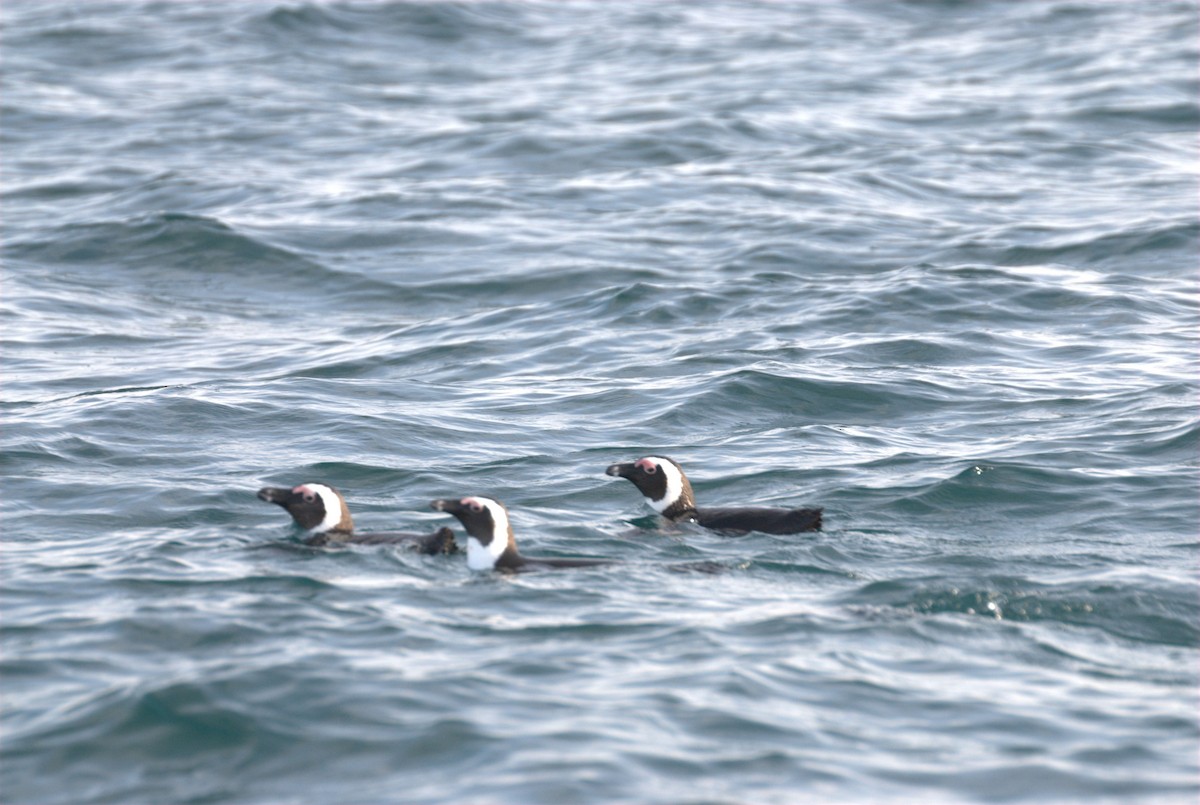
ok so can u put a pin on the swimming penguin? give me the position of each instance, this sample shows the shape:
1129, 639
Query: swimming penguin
322, 510
669, 493
490, 542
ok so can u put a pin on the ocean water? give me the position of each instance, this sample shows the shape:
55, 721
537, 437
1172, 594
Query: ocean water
929, 265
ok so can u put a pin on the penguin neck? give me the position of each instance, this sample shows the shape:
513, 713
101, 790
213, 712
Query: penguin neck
334, 527
499, 551
683, 504
679, 510
510, 558
336, 534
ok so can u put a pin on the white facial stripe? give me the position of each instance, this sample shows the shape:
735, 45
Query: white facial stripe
333, 507
484, 557
674, 484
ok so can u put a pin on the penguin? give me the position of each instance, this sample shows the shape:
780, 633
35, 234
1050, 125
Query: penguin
668, 492
323, 512
490, 541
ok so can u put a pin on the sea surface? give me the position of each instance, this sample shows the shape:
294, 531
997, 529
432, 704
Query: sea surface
929, 265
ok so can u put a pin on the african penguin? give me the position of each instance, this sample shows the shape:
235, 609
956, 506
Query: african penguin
490, 541
669, 493
322, 511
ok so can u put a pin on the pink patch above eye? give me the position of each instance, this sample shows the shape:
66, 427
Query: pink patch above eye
647, 464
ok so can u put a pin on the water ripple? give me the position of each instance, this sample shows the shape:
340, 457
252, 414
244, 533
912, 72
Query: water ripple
928, 265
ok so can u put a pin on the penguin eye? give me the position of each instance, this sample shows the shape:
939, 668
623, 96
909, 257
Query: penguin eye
476, 507
649, 469
309, 497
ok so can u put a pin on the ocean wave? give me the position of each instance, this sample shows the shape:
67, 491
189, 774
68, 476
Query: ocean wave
1140, 611
435, 23
929, 265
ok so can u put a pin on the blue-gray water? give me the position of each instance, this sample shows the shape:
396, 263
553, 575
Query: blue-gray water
930, 265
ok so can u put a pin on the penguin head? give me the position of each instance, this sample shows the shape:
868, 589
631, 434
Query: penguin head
316, 507
660, 480
489, 533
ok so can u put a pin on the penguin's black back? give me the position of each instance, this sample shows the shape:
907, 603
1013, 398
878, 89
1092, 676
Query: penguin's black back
440, 541
765, 520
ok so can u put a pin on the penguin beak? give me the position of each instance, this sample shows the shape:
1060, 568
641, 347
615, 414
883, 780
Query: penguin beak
273, 494
446, 505
619, 470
